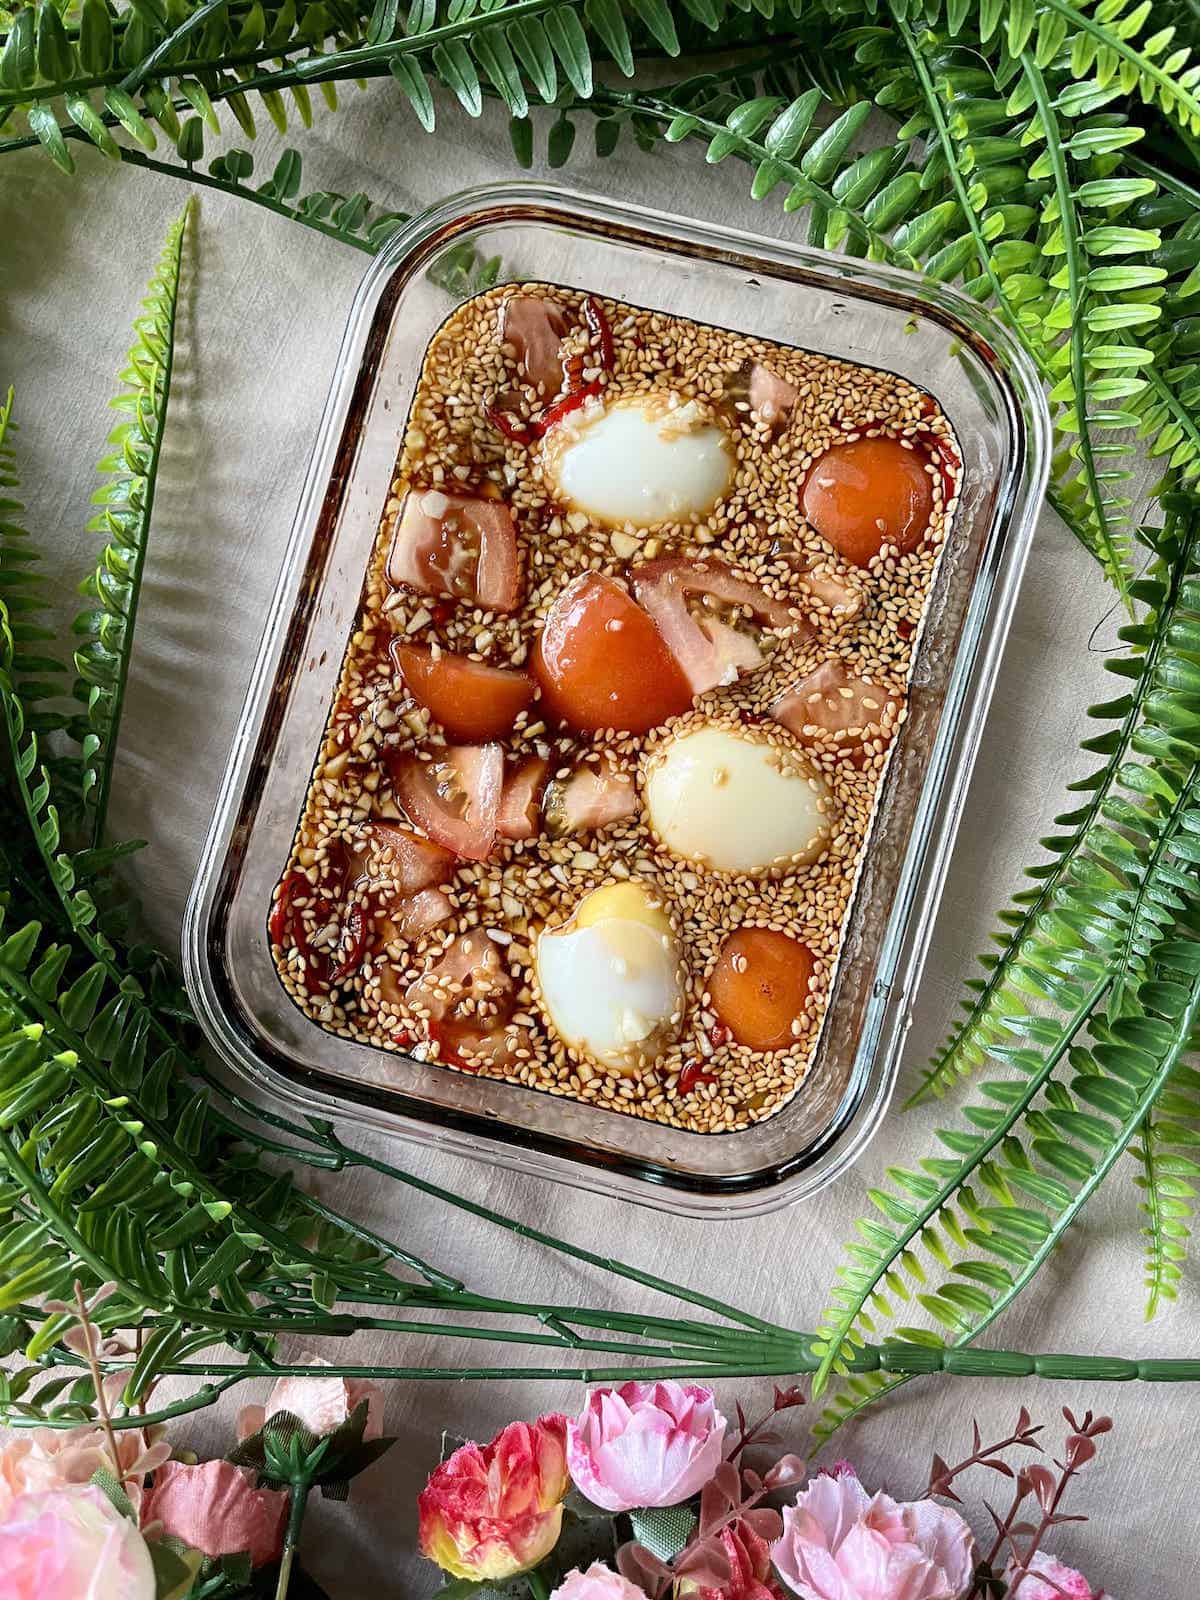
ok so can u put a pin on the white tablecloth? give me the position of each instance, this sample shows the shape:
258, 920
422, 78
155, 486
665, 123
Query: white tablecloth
265, 309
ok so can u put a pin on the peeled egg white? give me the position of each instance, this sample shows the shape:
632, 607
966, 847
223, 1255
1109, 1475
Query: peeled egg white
638, 462
737, 801
611, 979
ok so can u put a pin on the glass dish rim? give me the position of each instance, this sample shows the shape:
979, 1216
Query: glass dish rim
984, 631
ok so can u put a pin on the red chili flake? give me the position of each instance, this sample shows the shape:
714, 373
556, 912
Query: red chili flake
514, 428
693, 1074
404, 1039
601, 330
442, 1036
950, 461
905, 628
441, 611
719, 1034
280, 924
359, 924
564, 407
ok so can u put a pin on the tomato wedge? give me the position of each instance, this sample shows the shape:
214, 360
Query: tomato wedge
467, 983
473, 702
759, 985
867, 493
841, 705
602, 663
520, 798
412, 915
534, 328
467, 1048
407, 860
456, 545
455, 799
590, 799
772, 398
699, 608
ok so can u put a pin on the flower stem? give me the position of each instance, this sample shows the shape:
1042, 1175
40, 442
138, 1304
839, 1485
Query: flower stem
291, 1539
537, 1586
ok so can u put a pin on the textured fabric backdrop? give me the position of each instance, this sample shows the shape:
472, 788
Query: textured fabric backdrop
265, 312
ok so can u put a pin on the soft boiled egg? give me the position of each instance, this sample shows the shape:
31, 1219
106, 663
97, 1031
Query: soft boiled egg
737, 799
611, 979
639, 461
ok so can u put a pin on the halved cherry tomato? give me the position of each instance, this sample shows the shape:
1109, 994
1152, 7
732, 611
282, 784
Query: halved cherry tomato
602, 663
473, 702
830, 698
759, 985
456, 545
468, 983
535, 328
699, 608
520, 798
456, 798
409, 861
286, 927
590, 799
867, 493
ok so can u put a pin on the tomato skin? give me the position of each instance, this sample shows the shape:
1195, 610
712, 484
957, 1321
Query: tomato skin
759, 1002
709, 651
457, 546
474, 703
602, 663
856, 486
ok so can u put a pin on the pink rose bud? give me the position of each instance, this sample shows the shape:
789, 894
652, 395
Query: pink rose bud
645, 1444
597, 1583
320, 1404
215, 1508
840, 1543
1048, 1579
495, 1510
64, 1544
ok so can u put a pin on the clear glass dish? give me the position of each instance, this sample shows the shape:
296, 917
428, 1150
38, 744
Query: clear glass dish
843, 308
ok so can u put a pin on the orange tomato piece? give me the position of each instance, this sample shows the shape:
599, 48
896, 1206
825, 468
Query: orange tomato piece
474, 703
867, 493
759, 985
602, 663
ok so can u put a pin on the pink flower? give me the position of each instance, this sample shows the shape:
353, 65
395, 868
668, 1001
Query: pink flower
216, 1508
70, 1544
750, 1576
645, 1444
52, 1458
839, 1543
597, 1583
1044, 1573
495, 1510
321, 1404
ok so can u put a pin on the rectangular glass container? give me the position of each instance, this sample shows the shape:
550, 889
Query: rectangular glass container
840, 307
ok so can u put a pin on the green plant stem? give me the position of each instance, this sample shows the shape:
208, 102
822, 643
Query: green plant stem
291, 1540
174, 169
538, 1587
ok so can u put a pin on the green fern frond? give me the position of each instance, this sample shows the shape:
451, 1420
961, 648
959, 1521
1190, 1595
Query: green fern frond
1166, 1150
36, 669
127, 498
1158, 664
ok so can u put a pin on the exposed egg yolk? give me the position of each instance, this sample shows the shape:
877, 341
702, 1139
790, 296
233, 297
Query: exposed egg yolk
759, 986
611, 979
868, 493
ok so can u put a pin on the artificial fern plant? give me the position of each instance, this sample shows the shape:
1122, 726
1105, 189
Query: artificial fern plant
1042, 155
